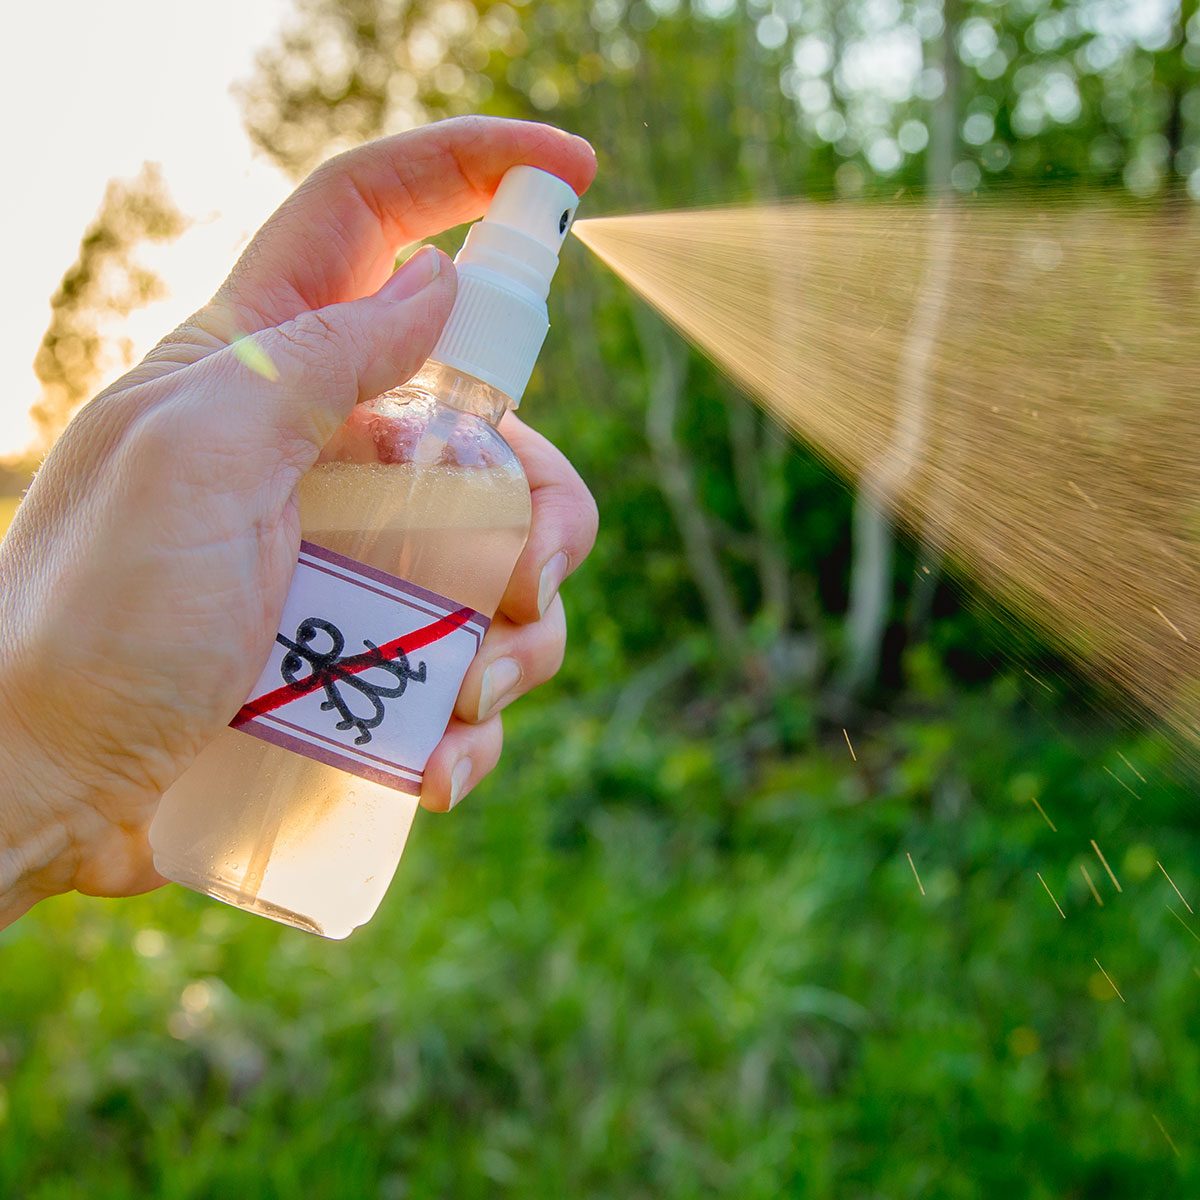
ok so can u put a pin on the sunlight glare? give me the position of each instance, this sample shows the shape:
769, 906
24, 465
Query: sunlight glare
121, 94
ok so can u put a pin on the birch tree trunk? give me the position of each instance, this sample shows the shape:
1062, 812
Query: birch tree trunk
883, 480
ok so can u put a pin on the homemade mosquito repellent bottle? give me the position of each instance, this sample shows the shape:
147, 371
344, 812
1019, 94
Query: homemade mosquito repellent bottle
412, 523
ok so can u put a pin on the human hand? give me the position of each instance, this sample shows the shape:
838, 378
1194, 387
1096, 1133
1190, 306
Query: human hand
143, 577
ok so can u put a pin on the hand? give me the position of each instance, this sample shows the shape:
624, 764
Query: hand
145, 572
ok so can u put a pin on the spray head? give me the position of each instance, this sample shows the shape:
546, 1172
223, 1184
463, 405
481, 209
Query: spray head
499, 320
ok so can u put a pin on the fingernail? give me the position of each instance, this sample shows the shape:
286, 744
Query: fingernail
419, 272
498, 680
551, 577
458, 780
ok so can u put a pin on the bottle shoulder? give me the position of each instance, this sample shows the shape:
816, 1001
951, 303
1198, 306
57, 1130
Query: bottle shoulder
425, 491
409, 426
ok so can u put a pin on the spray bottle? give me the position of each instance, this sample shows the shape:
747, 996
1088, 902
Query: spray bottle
412, 522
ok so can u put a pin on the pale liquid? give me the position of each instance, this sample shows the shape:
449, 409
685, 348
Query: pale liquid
290, 838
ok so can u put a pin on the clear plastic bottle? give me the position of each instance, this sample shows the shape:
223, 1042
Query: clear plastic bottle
421, 485
418, 484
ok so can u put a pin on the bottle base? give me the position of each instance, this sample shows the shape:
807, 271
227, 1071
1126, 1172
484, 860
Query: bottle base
232, 894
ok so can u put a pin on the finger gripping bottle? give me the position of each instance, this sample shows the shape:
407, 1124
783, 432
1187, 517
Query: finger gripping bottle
412, 522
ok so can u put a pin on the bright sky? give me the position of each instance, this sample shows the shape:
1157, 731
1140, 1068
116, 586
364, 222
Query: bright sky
93, 90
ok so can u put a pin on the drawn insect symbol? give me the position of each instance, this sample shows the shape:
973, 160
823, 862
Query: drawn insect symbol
328, 669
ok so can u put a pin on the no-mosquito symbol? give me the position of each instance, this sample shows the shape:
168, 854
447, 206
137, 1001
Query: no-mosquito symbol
329, 670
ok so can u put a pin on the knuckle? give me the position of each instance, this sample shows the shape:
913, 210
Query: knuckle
156, 449
471, 123
542, 646
340, 182
331, 169
493, 730
556, 636
318, 346
471, 129
463, 130
155, 437
314, 330
554, 624
557, 656
575, 512
167, 445
590, 521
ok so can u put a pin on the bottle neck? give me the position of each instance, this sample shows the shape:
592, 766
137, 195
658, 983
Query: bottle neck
456, 389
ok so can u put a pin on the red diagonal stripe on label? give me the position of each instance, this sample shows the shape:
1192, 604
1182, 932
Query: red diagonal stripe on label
406, 644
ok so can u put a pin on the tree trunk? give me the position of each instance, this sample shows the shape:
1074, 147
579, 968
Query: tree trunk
943, 150
666, 359
882, 481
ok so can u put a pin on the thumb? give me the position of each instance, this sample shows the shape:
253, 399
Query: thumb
303, 377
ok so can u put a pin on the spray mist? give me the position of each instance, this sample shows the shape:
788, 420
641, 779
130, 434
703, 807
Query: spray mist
412, 522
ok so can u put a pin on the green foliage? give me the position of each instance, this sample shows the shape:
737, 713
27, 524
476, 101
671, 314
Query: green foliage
675, 947
623, 971
104, 282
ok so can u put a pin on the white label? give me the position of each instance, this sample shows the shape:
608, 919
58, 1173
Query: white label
364, 671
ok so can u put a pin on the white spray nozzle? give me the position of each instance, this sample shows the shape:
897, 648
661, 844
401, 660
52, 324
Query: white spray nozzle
499, 319
534, 203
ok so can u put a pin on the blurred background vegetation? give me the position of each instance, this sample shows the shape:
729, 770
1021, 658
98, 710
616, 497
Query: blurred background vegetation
676, 945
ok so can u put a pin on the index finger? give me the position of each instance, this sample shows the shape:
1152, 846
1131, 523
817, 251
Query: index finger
335, 238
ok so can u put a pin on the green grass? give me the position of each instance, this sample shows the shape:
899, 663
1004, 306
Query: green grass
625, 970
